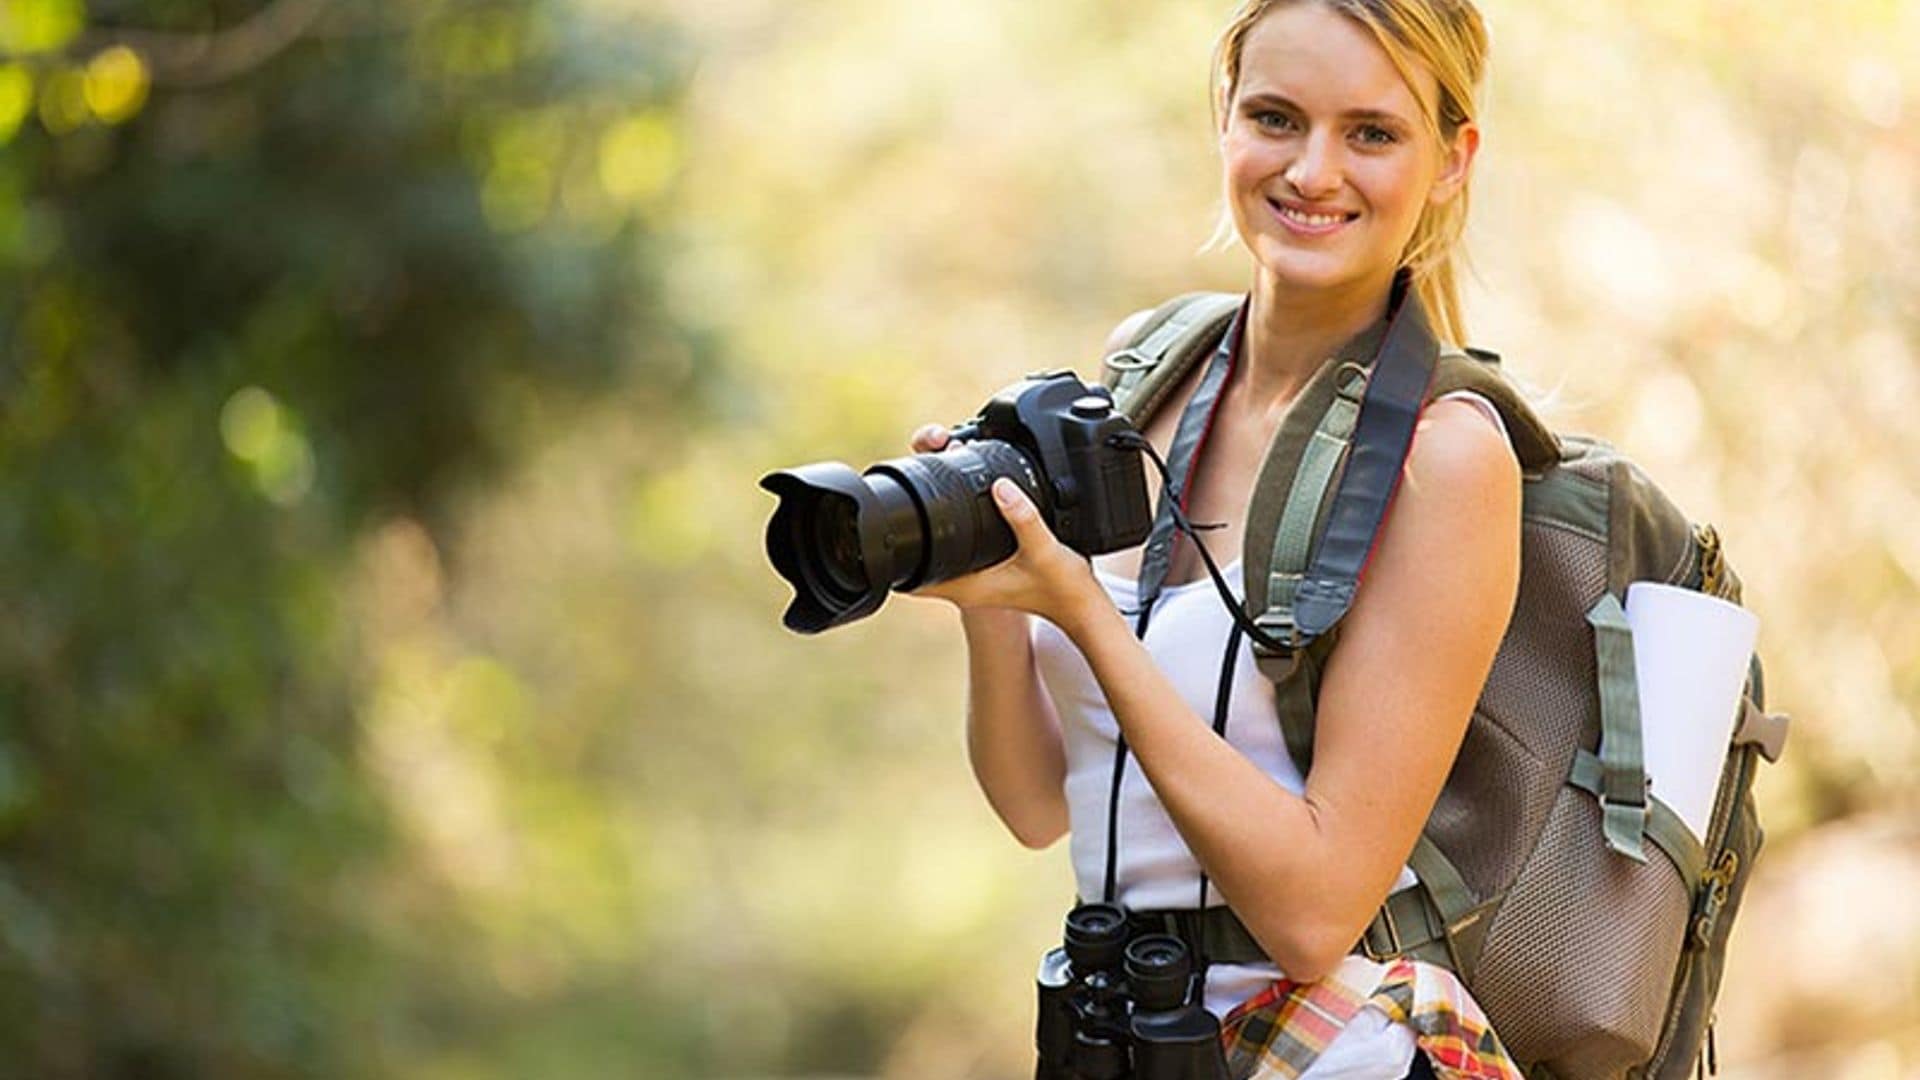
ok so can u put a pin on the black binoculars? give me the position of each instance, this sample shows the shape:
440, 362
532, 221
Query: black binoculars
1116, 1006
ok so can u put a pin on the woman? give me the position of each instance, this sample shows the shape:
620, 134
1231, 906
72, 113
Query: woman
1347, 136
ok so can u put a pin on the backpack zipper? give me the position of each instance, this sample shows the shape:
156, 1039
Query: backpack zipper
1713, 896
1706, 572
1713, 563
1705, 567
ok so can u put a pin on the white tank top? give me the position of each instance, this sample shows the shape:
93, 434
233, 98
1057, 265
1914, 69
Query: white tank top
1187, 638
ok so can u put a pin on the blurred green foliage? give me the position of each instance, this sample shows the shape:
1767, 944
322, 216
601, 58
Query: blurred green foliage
271, 275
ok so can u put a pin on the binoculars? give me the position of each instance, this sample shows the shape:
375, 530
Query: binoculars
1116, 1006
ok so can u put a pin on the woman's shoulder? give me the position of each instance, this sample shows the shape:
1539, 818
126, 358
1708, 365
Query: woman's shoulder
1461, 444
1126, 329
1481, 402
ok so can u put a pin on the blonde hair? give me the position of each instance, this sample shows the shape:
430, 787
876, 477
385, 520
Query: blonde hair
1448, 38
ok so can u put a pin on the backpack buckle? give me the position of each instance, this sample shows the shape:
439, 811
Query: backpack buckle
1388, 928
1276, 664
1624, 823
1278, 624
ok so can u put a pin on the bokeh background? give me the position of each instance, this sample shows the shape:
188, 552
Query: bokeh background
390, 675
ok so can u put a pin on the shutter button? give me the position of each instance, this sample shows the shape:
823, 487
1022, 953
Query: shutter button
1091, 407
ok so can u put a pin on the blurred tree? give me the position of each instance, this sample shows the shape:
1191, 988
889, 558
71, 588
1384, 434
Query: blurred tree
270, 274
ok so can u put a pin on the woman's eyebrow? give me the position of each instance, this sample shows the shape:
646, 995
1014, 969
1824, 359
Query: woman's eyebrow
1267, 99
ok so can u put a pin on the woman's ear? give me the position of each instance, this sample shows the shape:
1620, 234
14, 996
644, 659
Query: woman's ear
1456, 164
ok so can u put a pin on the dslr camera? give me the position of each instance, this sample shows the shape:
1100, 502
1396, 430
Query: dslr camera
843, 539
1120, 1006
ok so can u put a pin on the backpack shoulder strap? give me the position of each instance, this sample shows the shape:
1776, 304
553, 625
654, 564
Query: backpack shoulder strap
1534, 443
1144, 371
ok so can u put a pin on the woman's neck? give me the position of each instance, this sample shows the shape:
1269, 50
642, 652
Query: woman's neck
1291, 332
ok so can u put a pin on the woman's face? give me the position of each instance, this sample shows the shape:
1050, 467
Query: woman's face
1328, 159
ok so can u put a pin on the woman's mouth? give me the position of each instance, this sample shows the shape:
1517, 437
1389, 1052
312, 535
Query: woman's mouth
1310, 222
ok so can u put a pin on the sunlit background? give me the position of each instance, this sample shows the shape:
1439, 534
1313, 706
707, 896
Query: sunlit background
390, 675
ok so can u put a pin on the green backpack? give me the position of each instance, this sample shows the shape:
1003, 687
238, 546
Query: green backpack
1592, 955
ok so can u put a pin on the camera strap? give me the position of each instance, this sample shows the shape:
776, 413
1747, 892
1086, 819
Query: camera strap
1196, 421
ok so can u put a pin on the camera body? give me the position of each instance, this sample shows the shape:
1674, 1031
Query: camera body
1096, 496
1115, 1005
843, 539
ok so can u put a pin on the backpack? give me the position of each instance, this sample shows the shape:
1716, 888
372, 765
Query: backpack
1587, 921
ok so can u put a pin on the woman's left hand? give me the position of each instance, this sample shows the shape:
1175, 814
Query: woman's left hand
1043, 576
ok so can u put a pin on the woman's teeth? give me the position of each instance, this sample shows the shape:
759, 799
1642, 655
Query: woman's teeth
1312, 220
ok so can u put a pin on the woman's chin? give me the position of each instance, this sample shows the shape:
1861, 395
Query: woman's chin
1289, 266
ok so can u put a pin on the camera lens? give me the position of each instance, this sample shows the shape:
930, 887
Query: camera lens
843, 539
836, 528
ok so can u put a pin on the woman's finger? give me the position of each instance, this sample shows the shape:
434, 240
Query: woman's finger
928, 439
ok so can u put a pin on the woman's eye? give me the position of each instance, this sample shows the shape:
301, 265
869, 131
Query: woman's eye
1374, 135
1273, 121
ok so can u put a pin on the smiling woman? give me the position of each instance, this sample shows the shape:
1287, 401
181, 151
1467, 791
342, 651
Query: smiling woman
1314, 127
1347, 142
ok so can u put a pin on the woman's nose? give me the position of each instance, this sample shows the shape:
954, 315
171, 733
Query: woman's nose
1315, 174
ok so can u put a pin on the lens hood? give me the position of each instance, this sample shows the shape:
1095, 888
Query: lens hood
826, 595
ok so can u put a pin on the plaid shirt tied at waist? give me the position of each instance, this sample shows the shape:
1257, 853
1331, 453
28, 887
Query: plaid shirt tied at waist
1279, 1032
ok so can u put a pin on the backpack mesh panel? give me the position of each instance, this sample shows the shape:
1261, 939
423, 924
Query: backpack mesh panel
1494, 804
1538, 687
1581, 927
1533, 713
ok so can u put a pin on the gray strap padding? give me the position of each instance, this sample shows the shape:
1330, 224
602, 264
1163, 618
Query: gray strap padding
1623, 781
1382, 440
1294, 697
1293, 543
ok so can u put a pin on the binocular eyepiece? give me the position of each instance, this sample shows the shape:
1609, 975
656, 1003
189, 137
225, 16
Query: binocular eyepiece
1120, 1006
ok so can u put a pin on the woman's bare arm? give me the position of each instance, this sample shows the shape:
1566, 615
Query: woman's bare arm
1013, 732
1306, 873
